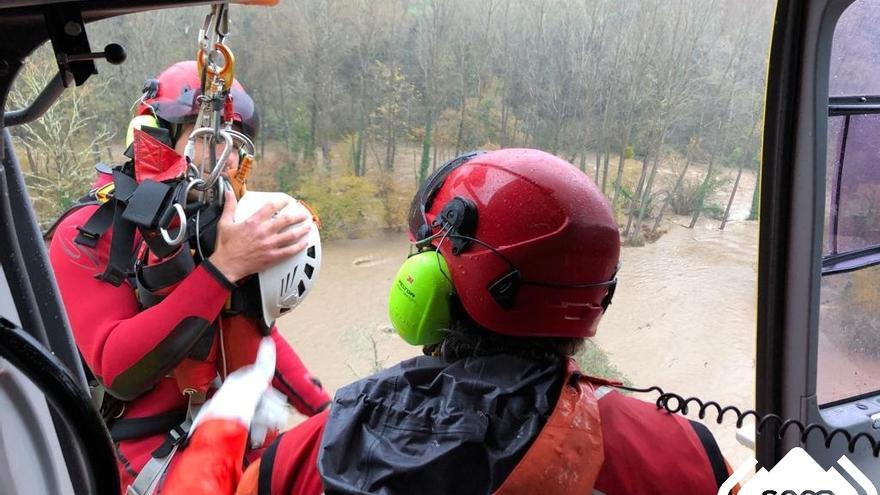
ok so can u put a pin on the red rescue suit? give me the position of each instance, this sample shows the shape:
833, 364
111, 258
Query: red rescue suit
136, 353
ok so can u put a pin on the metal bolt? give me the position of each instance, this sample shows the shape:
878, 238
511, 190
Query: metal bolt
73, 28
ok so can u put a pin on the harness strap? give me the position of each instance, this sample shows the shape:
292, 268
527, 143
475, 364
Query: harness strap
716, 459
147, 480
119, 263
147, 203
153, 280
96, 225
169, 271
130, 428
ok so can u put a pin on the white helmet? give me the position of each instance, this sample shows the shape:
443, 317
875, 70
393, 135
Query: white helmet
285, 284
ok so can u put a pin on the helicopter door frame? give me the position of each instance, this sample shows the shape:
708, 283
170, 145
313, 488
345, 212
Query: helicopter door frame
791, 236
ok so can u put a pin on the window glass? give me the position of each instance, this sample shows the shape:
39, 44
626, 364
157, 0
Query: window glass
849, 314
855, 55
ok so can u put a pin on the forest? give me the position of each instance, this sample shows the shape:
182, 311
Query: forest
659, 102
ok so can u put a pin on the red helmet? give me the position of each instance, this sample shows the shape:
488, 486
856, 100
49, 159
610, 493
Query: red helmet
173, 97
531, 244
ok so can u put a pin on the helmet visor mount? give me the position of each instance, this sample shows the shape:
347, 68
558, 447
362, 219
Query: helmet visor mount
419, 226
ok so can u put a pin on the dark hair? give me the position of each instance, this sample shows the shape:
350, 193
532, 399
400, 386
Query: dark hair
466, 338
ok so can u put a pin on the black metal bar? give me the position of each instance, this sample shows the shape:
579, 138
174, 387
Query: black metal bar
836, 110
852, 260
41, 103
775, 217
41, 278
13, 264
835, 201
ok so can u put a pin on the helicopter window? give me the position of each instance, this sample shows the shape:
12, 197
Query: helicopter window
849, 315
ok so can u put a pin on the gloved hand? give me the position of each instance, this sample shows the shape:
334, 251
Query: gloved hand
247, 395
212, 463
270, 418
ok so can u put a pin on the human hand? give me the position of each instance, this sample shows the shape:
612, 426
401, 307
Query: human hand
258, 242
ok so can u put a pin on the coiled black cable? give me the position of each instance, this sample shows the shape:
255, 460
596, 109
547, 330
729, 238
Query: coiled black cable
677, 404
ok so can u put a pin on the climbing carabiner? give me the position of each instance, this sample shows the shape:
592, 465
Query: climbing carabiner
226, 72
244, 140
189, 152
181, 232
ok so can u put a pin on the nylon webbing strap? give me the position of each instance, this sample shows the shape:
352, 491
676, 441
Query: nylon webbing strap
147, 203
96, 225
133, 428
153, 471
123, 232
148, 479
120, 248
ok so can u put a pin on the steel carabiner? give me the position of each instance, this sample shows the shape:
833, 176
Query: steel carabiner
225, 72
181, 233
189, 152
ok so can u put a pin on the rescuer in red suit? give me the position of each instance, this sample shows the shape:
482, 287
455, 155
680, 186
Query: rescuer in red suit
157, 355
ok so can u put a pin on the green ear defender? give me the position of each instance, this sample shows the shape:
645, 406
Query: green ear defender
418, 304
137, 123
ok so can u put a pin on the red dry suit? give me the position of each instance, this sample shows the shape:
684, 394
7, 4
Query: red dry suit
136, 353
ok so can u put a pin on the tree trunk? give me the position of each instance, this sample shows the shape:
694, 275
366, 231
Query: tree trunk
678, 181
598, 165
756, 197
606, 165
364, 143
732, 195
701, 198
313, 125
389, 144
283, 108
32, 160
645, 199
620, 166
96, 152
504, 112
636, 194
355, 157
462, 115
426, 147
325, 153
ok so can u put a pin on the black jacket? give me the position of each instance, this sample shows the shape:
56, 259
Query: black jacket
429, 426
